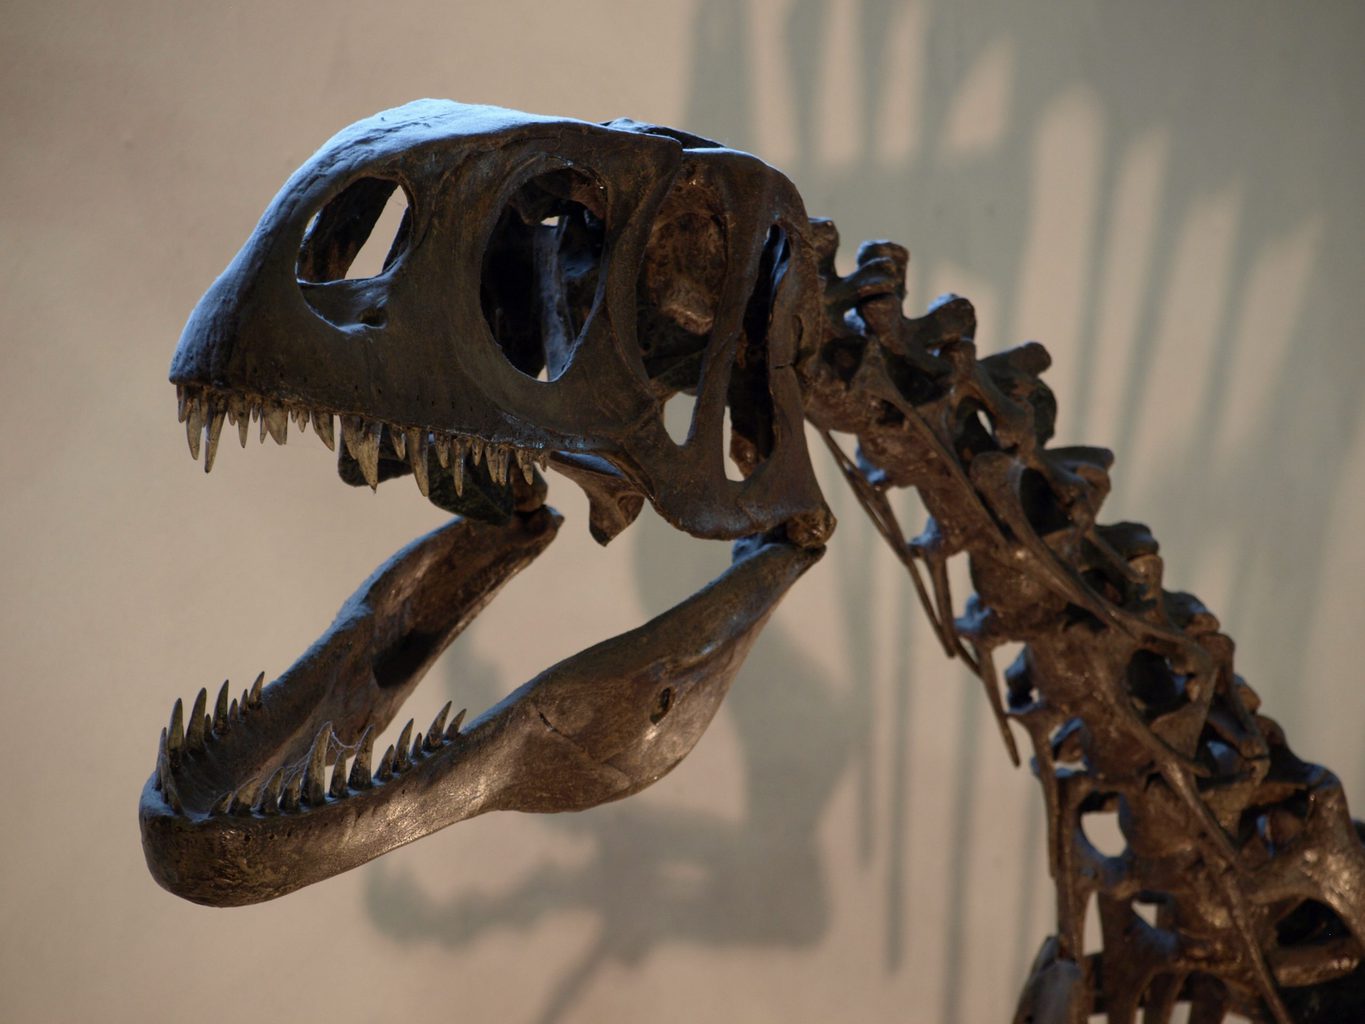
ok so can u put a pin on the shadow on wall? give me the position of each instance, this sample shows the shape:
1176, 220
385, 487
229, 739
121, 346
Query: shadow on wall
658, 876
1100, 181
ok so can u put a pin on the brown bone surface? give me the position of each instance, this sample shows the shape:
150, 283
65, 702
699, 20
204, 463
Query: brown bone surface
551, 286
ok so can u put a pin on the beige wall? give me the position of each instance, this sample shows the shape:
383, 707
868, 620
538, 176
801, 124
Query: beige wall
1169, 197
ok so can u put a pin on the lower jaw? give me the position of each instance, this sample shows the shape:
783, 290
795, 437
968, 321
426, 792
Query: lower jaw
235, 793
246, 810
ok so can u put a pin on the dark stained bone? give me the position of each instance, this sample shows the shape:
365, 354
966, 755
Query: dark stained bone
599, 726
480, 295
620, 265
1247, 855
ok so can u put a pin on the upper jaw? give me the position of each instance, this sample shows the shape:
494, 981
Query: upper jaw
371, 449
285, 323
413, 353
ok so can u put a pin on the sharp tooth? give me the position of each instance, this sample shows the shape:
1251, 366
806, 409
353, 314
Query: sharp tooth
442, 443
232, 711
176, 739
351, 429
314, 776
399, 439
476, 448
163, 760
490, 462
239, 415
418, 451
385, 770
220, 710
221, 805
362, 441
243, 706
543, 460
368, 455
299, 414
416, 440
370, 466
215, 431
457, 471
171, 794
290, 800
459, 448
404, 745
338, 787
438, 725
524, 463
453, 729
182, 403
194, 423
275, 421
245, 798
194, 733
360, 767
270, 793
322, 426
254, 698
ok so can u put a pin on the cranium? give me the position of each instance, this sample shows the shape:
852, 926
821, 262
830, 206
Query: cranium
672, 264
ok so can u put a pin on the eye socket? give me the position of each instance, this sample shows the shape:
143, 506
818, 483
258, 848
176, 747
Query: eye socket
541, 269
358, 234
662, 705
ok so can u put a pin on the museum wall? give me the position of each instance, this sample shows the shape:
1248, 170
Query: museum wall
1167, 195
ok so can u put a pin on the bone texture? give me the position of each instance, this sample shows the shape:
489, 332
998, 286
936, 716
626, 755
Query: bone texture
1239, 886
552, 286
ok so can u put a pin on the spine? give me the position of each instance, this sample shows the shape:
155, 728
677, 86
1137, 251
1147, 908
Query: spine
1240, 886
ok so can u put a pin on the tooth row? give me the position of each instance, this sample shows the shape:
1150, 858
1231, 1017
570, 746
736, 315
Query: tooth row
204, 410
191, 736
181, 739
306, 783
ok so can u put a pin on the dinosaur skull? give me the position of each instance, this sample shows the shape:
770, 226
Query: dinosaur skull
553, 283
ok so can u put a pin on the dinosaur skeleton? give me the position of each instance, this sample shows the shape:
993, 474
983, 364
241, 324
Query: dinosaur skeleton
552, 284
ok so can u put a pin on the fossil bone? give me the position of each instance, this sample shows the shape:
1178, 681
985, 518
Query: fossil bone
553, 283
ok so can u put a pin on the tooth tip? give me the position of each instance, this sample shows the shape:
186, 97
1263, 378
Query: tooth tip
453, 729
194, 732
220, 709
176, 737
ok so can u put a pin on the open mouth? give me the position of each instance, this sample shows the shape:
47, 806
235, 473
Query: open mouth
550, 286
258, 795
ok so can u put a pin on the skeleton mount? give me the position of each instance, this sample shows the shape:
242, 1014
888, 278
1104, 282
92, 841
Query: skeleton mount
552, 284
